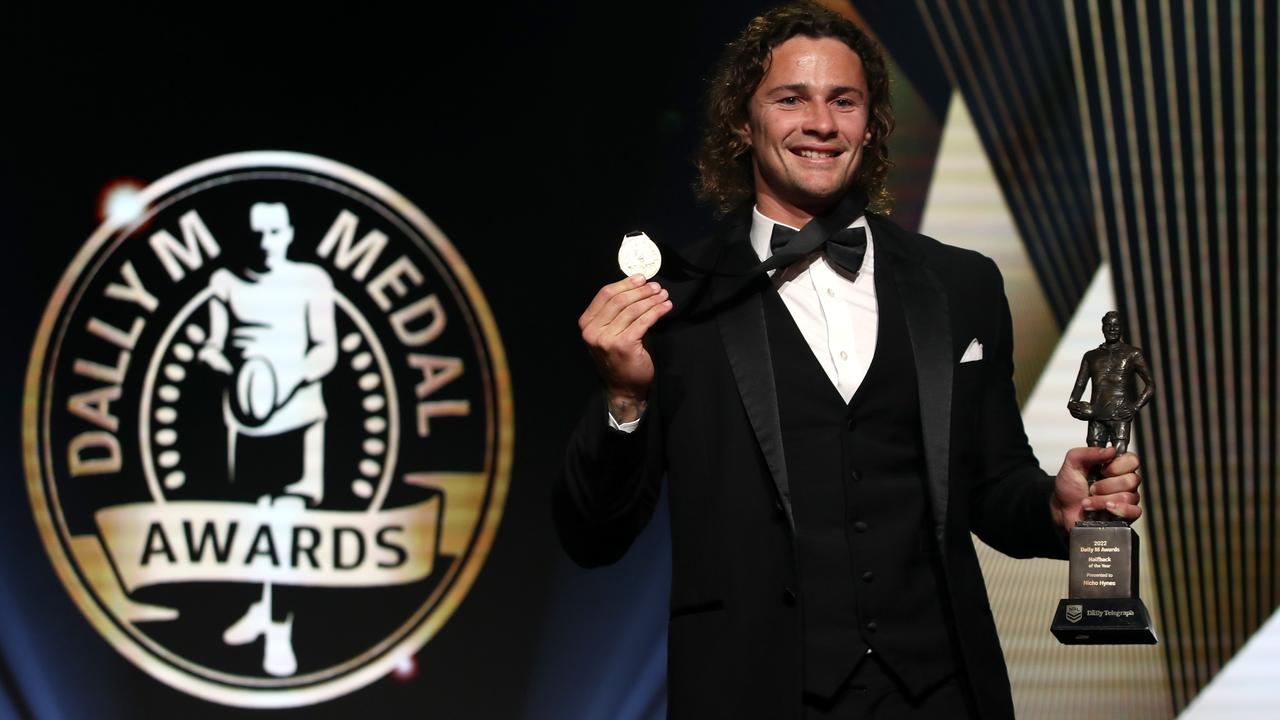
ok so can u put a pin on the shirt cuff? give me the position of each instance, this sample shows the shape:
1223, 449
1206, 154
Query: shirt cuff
625, 427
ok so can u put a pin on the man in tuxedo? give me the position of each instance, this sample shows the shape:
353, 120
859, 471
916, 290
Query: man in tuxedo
832, 425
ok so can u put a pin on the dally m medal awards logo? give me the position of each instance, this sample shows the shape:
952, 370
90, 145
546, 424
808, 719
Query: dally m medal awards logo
268, 430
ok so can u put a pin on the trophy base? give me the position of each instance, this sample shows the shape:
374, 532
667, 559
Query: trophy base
1103, 621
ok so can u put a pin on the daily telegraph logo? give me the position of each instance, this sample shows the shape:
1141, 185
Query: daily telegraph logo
268, 430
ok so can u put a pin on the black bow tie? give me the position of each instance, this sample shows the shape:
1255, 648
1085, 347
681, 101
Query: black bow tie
845, 248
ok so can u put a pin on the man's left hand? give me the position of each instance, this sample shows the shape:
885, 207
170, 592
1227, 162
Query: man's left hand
1116, 492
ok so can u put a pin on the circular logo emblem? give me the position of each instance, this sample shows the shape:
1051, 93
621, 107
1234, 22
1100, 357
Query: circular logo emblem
268, 430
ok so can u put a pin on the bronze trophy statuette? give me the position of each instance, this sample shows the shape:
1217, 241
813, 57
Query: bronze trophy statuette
1102, 605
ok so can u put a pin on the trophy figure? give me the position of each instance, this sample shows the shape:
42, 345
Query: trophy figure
1102, 606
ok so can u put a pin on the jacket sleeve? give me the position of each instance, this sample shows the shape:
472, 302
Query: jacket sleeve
1010, 498
608, 485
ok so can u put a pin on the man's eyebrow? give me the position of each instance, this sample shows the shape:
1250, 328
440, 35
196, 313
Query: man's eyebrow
837, 90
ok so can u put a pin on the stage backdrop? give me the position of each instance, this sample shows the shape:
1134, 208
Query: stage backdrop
338, 255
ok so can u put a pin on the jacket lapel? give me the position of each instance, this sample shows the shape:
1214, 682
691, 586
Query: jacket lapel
746, 342
924, 302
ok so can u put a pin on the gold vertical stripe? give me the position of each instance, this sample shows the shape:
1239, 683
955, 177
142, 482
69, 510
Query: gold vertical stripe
1110, 151
1086, 129
1056, 106
1231, 477
1187, 603
1212, 498
1275, 429
1016, 189
1244, 274
1262, 170
1065, 260
938, 45
1196, 470
1136, 183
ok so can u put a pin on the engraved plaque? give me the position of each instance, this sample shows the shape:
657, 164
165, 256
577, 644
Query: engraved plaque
1103, 561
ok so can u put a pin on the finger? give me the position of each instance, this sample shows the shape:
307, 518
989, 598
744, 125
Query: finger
621, 301
606, 294
1128, 482
641, 325
1126, 463
1099, 502
1083, 458
1124, 510
627, 315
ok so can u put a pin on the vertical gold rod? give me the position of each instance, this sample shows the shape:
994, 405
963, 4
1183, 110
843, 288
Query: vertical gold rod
936, 39
1216, 475
1174, 472
1055, 105
1248, 582
1067, 260
1266, 472
1016, 188
1275, 273
1086, 130
1227, 347
1197, 526
1113, 169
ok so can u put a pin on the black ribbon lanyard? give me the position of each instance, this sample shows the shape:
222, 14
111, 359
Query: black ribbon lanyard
815, 233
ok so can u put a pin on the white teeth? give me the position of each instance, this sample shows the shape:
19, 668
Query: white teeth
817, 154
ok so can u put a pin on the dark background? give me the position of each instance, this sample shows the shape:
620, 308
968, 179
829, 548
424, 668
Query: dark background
534, 136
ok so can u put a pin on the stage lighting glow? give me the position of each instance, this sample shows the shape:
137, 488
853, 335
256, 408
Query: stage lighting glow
121, 201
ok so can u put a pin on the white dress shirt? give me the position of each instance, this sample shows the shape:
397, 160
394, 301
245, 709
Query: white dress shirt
836, 312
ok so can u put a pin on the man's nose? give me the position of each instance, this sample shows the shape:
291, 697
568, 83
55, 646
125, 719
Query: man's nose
820, 120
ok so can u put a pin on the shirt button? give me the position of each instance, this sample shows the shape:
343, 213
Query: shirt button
844, 355
859, 526
831, 292
788, 596
854, 475
868, 576
872, 627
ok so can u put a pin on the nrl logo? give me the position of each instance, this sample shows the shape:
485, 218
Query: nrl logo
1074, 613
268, 430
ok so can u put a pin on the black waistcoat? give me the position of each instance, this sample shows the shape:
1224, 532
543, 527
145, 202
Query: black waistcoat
870, 575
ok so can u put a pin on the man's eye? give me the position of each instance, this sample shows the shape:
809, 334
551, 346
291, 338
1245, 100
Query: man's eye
792, 100
845, 102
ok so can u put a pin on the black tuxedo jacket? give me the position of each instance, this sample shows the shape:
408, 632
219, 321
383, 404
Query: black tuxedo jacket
712, 428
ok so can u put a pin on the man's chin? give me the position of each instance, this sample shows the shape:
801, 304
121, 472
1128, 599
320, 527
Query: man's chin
818, 201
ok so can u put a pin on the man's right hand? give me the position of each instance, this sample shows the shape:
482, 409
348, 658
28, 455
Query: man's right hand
613, 327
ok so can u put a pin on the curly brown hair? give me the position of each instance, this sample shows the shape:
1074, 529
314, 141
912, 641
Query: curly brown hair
724, 164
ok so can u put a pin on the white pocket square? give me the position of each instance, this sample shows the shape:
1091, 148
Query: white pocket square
973, 352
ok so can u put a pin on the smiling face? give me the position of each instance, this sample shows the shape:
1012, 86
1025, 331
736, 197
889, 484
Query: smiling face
807, 127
